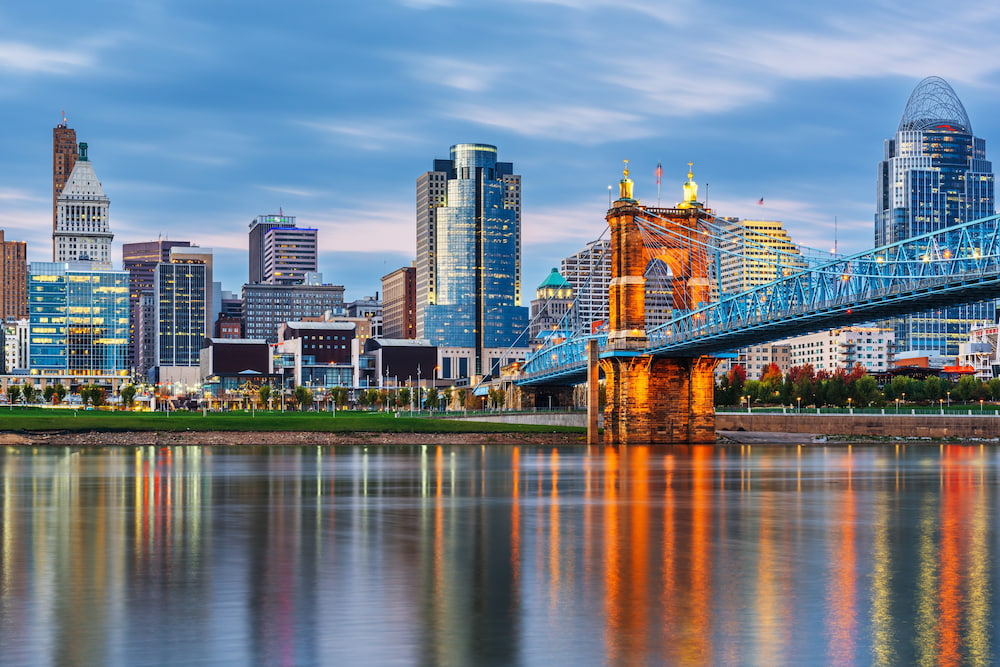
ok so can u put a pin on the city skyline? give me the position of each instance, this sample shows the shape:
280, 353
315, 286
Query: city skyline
198, 119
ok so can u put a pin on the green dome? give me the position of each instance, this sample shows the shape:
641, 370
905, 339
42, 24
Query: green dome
555, 281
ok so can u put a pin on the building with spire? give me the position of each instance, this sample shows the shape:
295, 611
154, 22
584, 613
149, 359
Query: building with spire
468, 269
82, 232
934, 174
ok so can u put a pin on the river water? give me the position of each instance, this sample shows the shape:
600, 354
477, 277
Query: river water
499, 555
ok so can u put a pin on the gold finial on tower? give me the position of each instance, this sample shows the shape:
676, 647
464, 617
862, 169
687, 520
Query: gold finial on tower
625, 185
690, 190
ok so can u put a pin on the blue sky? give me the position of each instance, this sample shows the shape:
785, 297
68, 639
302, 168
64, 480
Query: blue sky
203, 114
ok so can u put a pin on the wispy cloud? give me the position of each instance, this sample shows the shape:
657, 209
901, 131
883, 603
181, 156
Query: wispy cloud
580, 124
28, 58
374, 136
456, 73
295, 192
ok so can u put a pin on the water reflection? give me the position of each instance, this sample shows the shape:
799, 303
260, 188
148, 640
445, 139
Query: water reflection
498, 555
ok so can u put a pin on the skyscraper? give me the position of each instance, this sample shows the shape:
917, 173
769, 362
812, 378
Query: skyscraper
280, 252
140, 260
935, 174
468, 270
82, 232
63, 161
182, 287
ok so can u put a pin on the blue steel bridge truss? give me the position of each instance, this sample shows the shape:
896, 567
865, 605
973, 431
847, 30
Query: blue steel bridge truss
949, 267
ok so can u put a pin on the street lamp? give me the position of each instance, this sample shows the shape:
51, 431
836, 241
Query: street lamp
798, 401
941, 405
897, 406
850, 405
949, 400
748, 403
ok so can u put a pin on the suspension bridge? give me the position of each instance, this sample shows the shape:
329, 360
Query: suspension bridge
660, 378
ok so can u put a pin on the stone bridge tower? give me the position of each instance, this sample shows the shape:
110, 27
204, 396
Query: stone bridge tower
654, 400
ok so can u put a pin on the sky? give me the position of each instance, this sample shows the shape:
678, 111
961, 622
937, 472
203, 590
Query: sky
202, 115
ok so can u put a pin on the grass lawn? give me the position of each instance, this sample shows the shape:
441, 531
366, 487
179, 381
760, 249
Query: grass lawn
69, 420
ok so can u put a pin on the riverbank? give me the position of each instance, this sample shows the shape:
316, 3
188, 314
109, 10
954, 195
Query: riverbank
172, 438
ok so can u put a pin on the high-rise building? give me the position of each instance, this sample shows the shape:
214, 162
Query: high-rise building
140, 260
13, 279
290, 253
279, 252
399, 303
755, 252
82, 232
182, 289
63, 160
935, 174
79, 319
468, 269
589, 272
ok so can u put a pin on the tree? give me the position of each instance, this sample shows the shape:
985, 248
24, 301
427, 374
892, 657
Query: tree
866, 391
994, 387
462, 394
13, 393
433, 398
339, 396
403, 397
84, 394
128, 395
446, 395
48, 393
97, 395
60, 392
29, 392
303, 397
264, 394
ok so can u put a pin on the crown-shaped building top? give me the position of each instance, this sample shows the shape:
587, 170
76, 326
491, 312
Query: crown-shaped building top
82, 231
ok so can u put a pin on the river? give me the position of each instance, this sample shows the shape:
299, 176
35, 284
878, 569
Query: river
499, 555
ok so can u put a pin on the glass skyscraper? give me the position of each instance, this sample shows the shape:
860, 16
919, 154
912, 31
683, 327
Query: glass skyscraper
935, 174
468, 269
79, 319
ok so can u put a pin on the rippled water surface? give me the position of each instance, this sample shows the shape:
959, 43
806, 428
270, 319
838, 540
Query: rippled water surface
468, 555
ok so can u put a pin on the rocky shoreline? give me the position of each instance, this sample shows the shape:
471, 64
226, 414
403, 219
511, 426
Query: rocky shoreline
171, 438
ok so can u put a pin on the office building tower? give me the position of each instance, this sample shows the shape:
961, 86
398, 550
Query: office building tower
935, 174
589, 272
468, 269
267, 307
82, 232
279, 252
181, 287
399, 303
63, 160
13, 279
140, 260
755, 252
289, 255
213, 290
78, 316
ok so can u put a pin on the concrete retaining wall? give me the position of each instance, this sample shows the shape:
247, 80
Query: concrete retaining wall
548, 418
900, 426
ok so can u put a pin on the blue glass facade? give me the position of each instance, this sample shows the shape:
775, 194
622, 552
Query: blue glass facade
474, 270
79, 320
935, 174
